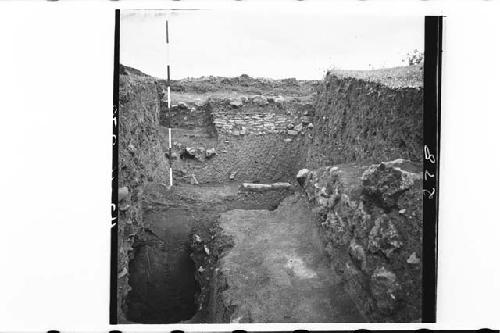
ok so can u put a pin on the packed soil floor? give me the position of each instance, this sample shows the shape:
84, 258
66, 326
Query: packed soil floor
276, 271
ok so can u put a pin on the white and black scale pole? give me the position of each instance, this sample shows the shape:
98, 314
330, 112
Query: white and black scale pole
168, 108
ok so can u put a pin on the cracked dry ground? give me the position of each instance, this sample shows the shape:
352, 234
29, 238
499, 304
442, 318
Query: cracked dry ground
276, 271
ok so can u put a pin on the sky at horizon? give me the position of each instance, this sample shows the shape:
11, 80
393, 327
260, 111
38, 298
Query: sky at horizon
268, 44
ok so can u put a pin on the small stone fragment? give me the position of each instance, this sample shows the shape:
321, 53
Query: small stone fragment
122, 193
279, 99
182, 105
412, 259
259, 100
194, 181
191, 152
123, 272
124, 207
301, 176
131, 148
236, 104
210, 153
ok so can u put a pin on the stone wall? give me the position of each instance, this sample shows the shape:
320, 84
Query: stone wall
253, 138
370, 223
366, 121
141, 162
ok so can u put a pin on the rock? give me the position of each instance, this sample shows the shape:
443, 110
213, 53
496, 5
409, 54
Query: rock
122, 193
301, 176
357, 253
196, 238
210, 153
288, 140
194, 181
131, 148
290, 126
123, 272
298, 127
182, 105
385, 290
292, 132
244, 99
236, 104
310, 125
413, 259
279, 99
384, 237
207, 251
259, 100
232, 175
124, 207
236, 132
266, 187
256, 187
387, 182
306, 119
402, 211
190, 152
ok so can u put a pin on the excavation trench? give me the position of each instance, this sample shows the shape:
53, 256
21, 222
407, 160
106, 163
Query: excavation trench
172, 271
162, 273
241, 130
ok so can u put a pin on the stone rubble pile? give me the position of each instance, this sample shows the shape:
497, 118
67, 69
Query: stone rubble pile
370, 219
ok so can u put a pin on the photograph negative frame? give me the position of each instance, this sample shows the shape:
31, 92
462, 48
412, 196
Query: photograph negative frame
189, 173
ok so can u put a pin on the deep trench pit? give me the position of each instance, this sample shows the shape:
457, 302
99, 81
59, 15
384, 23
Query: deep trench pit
162, 274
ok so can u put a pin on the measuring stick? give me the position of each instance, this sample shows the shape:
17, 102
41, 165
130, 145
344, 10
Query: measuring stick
168, 108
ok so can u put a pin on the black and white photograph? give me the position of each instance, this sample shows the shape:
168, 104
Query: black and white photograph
270, 167
249, 166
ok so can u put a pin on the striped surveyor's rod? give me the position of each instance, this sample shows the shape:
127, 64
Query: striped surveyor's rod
168, 108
